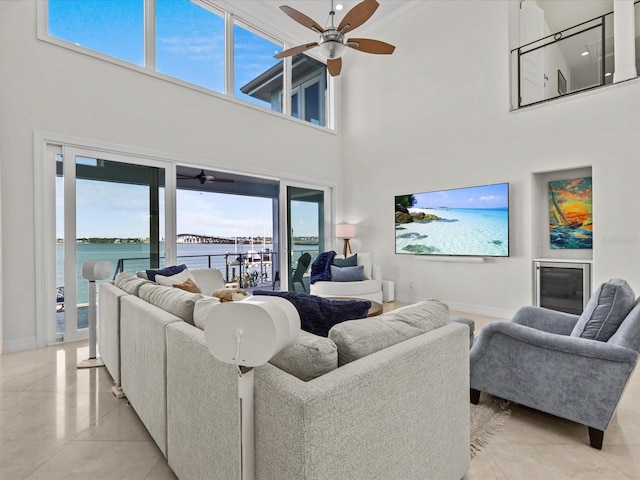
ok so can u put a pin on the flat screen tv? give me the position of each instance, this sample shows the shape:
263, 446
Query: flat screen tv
471, 222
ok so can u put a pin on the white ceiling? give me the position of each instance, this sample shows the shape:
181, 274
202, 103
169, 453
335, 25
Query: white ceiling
562, 14
266, 15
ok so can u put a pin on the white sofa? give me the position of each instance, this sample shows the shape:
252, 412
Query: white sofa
378, 416
368, 289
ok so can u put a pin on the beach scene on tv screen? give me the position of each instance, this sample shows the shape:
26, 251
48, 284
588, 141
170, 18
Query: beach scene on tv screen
470, 221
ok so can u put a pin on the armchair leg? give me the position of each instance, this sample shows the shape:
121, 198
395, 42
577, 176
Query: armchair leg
475, 396
596, 437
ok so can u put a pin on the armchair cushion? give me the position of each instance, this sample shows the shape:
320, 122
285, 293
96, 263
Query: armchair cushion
347, 274
340, 261
605, 311
366, 260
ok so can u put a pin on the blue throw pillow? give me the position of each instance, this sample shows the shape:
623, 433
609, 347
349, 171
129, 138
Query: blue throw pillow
321, 267
351, 261
167, 271
347, 274
605, 311
317, 314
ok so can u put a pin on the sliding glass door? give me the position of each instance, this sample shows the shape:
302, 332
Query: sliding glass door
307, 213
107, 209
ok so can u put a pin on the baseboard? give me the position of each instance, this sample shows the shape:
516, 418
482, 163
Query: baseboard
463, 307
19, 345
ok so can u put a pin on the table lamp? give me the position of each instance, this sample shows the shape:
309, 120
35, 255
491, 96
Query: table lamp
248, 334
92, 271
346, 231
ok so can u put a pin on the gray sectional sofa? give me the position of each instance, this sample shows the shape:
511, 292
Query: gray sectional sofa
352, 406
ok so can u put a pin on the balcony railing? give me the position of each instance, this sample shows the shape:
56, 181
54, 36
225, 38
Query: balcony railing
570, 61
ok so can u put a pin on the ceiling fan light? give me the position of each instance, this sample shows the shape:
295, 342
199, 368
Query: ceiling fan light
331, 49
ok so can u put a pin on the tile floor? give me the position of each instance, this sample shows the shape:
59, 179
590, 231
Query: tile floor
58, 422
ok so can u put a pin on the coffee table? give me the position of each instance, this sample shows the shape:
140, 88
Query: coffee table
375, 310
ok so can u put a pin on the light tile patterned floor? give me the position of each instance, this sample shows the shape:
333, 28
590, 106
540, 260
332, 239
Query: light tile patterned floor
58, 422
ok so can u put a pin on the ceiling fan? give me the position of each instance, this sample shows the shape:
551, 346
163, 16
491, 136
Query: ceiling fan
204, 178
332, 42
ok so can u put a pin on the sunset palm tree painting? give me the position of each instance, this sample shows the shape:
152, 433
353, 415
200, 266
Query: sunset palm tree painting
570, 213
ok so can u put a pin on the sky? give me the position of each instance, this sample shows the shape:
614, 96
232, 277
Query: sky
488, 196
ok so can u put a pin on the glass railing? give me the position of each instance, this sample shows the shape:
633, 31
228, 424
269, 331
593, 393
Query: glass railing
567, 62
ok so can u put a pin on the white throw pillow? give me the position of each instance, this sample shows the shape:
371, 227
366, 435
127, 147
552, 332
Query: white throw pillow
366, 260
177, 279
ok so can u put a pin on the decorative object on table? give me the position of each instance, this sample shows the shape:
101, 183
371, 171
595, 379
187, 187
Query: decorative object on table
347, 232
570, 213
247, 334
92, 271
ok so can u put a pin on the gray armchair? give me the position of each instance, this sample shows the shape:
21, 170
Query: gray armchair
540, 360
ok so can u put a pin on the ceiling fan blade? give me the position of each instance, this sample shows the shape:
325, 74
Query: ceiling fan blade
295, 50
358, 15
368, 45
301, 18
334, 65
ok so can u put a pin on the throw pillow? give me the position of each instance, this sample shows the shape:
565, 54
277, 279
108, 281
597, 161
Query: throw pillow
321, 267
318, 314
230, 294
179, 279
167, 271
347, 274
351, 261
358, 338
366, 260
605, 311
308, 358
188, 286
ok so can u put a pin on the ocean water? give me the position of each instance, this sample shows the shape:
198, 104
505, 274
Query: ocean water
482, 232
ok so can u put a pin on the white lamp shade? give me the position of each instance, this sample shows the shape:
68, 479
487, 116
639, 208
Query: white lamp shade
264, 325
92, 270
345, 230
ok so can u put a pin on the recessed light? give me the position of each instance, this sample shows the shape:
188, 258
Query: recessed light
584, 54
339, 7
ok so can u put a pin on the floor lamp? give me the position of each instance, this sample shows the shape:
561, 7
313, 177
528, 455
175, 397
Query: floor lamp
92, 271
346, 231
247, 334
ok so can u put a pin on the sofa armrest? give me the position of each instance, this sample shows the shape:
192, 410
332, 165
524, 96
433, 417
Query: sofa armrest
401, 412
547, 320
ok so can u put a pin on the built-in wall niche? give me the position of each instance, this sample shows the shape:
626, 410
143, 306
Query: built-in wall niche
541, 241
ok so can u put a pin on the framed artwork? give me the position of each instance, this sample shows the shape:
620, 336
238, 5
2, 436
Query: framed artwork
562, 83
570, 213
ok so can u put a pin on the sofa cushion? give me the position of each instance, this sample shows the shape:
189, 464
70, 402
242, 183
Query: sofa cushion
347, 274
308, 358
167, 271
358, 338
321, 267
172, 300
184, 280
605, 311
366, 260
340, 261
317, 314
201, 310
129, 282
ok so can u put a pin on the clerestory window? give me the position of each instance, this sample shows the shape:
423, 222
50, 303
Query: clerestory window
186, 40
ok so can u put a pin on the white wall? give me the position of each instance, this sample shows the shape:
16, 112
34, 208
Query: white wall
436, 115
47, 88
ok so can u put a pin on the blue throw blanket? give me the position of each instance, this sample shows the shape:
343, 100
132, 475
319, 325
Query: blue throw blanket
321, 267
317, 314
